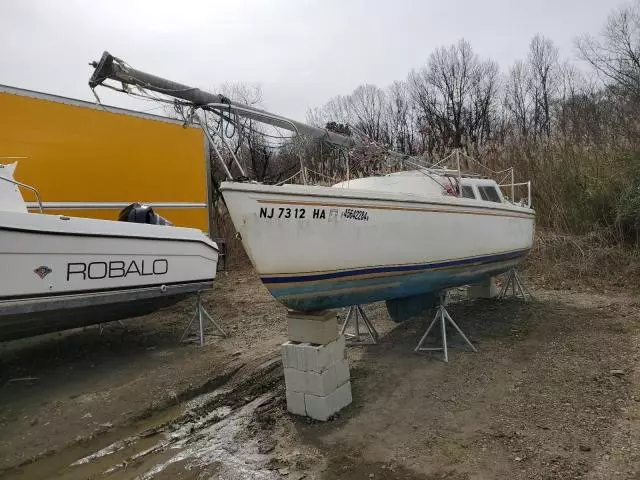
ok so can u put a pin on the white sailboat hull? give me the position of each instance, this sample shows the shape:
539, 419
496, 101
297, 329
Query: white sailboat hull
323, 247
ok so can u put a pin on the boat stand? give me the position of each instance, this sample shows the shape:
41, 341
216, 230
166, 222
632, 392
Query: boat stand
442, 317
200, 314
102, 325
355, 311
516, 285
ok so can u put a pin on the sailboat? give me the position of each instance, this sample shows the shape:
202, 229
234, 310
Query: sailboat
401, 237
62, 272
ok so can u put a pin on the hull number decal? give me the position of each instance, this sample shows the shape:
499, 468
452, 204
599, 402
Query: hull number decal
283, 212
352, 214
288, 213
116, 269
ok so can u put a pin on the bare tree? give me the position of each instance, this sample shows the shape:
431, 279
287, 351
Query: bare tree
337, 109
518, 101
400, 118
429, 125
449, 74
482, 102
578, 109
247, 93
455, 96
367, 105
543, 63
616, 55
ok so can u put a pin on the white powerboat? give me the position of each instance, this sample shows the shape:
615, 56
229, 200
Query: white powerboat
61, 272
402, 237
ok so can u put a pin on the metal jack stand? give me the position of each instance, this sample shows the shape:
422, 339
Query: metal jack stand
518, 288
101, 325
442, 316
200, 313
354, 312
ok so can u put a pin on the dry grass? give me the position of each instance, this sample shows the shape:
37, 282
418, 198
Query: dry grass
567, 261
576, 188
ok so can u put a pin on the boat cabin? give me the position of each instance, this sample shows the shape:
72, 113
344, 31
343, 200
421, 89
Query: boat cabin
430, 183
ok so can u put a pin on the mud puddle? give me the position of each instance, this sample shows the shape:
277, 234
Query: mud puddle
218, 431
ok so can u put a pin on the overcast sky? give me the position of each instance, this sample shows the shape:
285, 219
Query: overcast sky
301, 52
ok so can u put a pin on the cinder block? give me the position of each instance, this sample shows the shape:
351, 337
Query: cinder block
320, 357
317, 383
318, 408
313, 327
287, 353
341, 397
323, 407
343, 374
294, 355
295, 403
315, 358
320, 384
301, 357
296, 380
486, 289
339, 348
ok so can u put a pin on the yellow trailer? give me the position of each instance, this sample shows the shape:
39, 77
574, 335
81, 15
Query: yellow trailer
88, 160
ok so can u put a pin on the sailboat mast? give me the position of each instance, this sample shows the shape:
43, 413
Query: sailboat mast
111, 68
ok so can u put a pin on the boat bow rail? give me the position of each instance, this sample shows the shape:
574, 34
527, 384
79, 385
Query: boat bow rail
11, 196
28, 187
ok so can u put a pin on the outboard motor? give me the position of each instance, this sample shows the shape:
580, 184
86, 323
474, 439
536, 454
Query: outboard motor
138, 213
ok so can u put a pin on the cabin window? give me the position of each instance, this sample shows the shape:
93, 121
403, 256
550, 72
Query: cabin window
490, 194
467, 191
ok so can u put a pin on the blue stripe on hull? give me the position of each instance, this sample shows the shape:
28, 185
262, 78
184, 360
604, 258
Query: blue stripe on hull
279, 279
341, 292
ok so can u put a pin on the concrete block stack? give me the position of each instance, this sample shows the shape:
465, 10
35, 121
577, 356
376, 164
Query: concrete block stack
485, 289
316, 371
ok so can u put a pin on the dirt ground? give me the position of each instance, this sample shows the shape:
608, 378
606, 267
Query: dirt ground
553, 393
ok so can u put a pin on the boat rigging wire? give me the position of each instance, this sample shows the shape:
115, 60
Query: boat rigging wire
237, 121
290, 178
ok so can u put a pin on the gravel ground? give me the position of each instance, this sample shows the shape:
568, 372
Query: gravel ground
553, 392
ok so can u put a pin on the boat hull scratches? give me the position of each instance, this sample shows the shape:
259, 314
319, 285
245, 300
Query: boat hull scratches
345, 291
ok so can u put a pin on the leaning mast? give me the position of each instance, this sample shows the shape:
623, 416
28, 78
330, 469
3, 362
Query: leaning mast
111, 68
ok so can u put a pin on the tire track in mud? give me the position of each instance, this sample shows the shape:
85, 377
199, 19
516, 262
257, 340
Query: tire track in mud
224, 422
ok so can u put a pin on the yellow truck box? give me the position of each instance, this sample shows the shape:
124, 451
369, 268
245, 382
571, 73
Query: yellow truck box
87, 160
